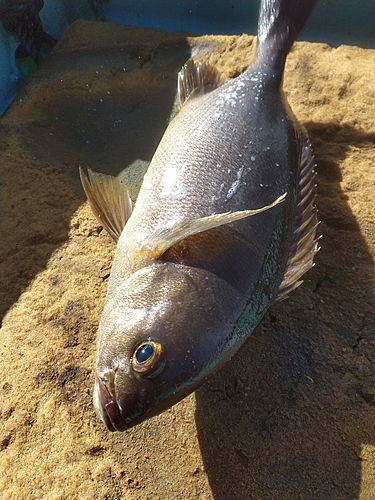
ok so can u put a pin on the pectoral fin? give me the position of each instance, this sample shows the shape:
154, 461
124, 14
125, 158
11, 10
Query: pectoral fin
109, 200
166, 237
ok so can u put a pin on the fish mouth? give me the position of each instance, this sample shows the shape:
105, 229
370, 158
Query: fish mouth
106, 406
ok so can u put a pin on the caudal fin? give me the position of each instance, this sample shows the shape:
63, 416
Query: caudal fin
280, 22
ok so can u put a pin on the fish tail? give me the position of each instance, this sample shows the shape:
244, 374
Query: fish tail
280, 22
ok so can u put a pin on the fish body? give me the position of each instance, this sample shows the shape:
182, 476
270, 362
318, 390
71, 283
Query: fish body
224, 224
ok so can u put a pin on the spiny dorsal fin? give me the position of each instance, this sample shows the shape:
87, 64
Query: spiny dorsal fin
196, 79
305, 242
109, 200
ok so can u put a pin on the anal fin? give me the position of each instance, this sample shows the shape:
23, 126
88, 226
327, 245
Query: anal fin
109, 200
305, 240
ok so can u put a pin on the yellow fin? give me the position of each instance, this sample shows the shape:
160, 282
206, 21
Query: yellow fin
165, 237
109, 200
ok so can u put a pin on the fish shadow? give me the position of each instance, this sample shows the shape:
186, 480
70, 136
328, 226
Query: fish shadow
102, 102
290, 415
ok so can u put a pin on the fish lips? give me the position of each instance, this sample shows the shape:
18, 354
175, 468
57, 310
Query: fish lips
108, 409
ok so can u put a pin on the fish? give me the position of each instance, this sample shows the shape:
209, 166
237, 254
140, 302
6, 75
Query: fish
224, 225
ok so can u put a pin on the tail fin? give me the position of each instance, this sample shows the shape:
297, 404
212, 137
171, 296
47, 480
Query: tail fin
280, 22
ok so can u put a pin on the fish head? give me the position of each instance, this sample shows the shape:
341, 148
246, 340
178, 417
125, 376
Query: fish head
161, 334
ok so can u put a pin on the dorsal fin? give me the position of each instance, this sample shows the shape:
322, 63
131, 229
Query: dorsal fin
109, 200
305, 242
196, 79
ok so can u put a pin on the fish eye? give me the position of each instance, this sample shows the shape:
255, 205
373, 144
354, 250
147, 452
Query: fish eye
147, 359
144, 352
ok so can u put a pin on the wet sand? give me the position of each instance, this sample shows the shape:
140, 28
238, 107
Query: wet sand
293, 414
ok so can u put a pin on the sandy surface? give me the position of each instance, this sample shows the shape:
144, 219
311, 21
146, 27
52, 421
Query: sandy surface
293, 415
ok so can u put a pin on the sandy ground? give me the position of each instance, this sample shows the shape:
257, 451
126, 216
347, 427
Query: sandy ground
293, 415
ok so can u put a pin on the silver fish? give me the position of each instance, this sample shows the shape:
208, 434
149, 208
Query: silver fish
224, 225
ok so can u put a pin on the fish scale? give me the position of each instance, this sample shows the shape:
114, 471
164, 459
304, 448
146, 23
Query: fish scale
224, 225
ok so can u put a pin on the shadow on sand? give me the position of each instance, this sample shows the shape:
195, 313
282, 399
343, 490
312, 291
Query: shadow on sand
288, 416
99, 105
